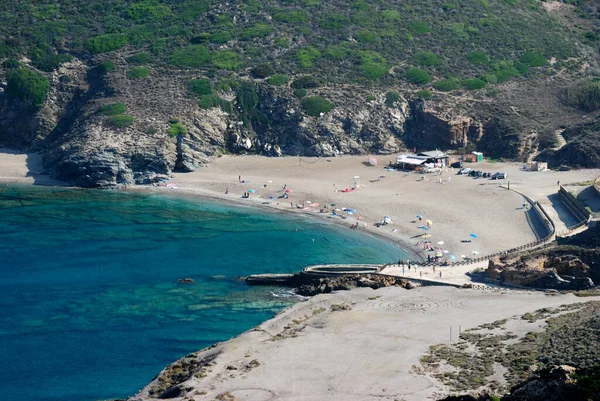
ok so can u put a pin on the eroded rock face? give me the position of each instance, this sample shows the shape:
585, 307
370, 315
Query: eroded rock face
80, 145
565, 272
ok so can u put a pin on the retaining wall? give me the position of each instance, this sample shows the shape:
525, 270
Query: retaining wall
574, 206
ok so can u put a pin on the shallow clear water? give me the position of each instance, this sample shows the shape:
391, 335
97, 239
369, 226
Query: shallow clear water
90, 304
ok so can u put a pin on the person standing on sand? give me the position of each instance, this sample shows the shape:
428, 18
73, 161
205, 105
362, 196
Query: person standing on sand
440, 274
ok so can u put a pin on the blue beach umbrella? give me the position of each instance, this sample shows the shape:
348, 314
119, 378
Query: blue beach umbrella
424, 228
251, 191
271, 197
473, 235
452, 257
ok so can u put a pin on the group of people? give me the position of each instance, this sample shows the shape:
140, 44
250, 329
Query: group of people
354, 226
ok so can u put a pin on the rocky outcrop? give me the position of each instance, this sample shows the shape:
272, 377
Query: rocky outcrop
308, 285
81, 146
554, 383
564, 272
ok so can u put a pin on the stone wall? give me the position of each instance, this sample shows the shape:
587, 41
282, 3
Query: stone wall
574, 205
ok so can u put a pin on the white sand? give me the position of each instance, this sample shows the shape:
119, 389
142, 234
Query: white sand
23, 168
366, 353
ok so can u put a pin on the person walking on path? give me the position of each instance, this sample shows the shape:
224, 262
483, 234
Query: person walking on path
421, 273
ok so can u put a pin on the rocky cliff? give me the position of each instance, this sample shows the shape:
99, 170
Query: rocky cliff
81, 145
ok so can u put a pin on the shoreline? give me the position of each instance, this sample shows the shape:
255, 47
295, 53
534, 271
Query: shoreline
325, 218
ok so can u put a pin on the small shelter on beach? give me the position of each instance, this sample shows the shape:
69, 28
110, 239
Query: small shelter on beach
435, 157
410, 162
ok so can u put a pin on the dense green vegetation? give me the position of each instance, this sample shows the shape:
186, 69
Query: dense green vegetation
176, 129
28, 85
138, 72
113, 109
584, 96
315, 105
278, 80
121, 120
356, 41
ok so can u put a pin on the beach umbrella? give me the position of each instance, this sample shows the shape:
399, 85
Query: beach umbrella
337, 210
419, 216
475, 253
350, 210
440, 242
452, 257
314, 204
473, 235
438, 252
429, 222
271, 197
445, 251
463, 256
372, 161
251, 191
288, 190
308, 202
387, 219
424, 228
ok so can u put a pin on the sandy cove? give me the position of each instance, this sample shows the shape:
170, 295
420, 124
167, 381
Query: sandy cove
457, 209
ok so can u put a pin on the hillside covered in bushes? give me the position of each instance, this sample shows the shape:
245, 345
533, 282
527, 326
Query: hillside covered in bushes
513, 68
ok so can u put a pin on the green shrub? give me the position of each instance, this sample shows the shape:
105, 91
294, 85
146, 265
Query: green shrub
220, 37
339, 51
148, 11
283, 42
591, 36
200, 39
333, 21
46, 59
315, 105
372, 64
278, 80
106, 43
504, 70
105, 67
113, 109
121, 120
139, 58
365, 36
227, 60
426, 59
246, 96
391, 98
585, 96
27, 85
294, 17
300, 93
533, 59
263, 70
307, 56
424, 94
370, 98
417, 76
473, 83
193, 56
10, 64
138, 72
208, 101
176, 129
200, 86
478, 57
447, 85
306, 82
419, 28
256, 31
390, 15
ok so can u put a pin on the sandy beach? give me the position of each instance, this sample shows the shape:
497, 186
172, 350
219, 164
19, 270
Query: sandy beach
356, 345
457, 208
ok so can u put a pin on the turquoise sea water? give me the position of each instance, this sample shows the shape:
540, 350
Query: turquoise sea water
90, 304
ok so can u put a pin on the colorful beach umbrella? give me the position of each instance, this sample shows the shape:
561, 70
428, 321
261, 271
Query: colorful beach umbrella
473, 235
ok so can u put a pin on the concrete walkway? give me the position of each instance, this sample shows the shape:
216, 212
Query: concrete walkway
456, 275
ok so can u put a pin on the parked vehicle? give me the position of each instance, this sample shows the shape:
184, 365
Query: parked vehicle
499, 176
464, 171
457, 165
